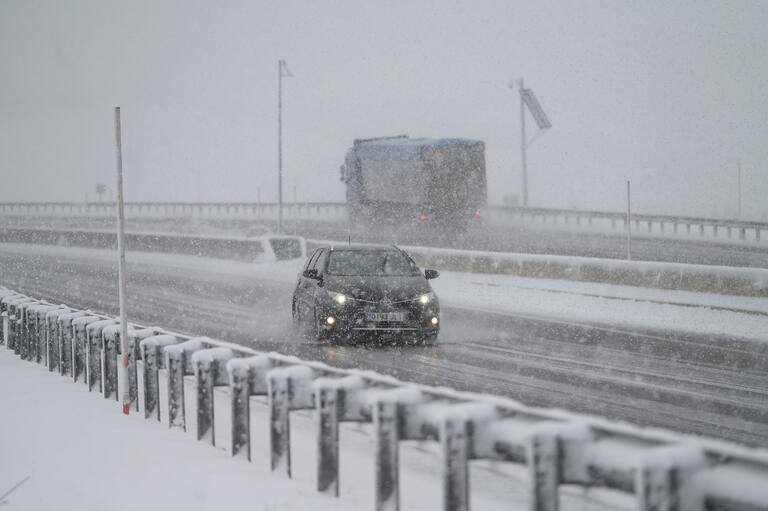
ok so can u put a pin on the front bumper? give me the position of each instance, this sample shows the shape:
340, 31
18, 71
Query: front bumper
351, 318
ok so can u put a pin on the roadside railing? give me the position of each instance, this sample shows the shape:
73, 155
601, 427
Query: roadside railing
674, 225
641, 223
661, 470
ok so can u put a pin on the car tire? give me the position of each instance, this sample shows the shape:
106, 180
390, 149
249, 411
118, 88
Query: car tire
316, 332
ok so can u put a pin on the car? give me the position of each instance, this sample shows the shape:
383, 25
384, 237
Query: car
356, 291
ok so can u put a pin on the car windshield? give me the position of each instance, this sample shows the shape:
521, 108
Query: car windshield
383, 263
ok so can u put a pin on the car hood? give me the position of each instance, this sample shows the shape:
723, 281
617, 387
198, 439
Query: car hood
372, 288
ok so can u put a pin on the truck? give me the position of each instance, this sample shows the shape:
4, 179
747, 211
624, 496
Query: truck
423, 181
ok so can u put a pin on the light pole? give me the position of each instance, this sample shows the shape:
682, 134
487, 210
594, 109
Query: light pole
629, 225
523, 146
528, 100
738, 179
122, 367
282, 71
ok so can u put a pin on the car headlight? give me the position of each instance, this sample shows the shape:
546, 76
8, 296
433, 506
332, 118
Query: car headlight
339, 298
425, 298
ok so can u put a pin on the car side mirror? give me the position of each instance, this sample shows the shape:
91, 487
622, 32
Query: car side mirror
311, 274
431, 274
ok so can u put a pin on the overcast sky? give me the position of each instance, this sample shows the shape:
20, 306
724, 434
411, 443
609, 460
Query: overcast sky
667, 94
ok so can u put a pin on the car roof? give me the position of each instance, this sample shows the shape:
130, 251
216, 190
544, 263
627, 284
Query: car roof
362, 247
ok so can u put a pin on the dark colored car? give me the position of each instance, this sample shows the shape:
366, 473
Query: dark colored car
347, 291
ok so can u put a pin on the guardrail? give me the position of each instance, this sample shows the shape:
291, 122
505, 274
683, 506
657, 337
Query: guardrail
643, 223
662, 470
336, 211
328, 210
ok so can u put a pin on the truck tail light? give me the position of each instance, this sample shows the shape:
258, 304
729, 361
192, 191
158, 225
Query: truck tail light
476, 213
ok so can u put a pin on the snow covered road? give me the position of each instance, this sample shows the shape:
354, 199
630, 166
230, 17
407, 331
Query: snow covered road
700, 384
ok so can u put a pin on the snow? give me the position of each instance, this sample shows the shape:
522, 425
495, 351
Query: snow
207, 357
606, 304
80, 452
648, 273
625, 307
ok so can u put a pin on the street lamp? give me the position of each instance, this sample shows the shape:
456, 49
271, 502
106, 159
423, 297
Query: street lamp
282, 71
528, 99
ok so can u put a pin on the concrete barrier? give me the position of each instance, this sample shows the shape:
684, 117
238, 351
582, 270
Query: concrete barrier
678, 276
263, 248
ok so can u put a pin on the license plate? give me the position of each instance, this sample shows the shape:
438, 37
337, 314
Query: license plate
386, 316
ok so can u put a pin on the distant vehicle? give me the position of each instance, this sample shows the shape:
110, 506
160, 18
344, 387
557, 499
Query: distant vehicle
406, 181
350, 291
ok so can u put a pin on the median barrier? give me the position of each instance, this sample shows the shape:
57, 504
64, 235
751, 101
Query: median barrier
658, 275
262, 248
660, 470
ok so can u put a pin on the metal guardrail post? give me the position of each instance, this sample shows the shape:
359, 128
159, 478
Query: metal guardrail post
53, 338
389, 410
289, 388
45, 335
28, 342
5, 328
110, 351
20, 338
93, 357
335, 402
247, 377
661, 476
386, 415
31, 335
150, 354
79, 344
543, 455
454, 432
134, 354
41, 333
66, 339
209, 365
15, 326
327, 402
457, 425
177, 363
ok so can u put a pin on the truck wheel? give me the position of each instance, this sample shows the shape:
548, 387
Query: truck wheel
429, 339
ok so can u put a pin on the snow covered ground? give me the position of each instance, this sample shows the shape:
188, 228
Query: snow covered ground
71, 449
556, 300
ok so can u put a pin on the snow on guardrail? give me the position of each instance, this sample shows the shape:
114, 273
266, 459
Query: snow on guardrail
660, 469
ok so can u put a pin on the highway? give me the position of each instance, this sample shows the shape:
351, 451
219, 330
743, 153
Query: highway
692, 384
